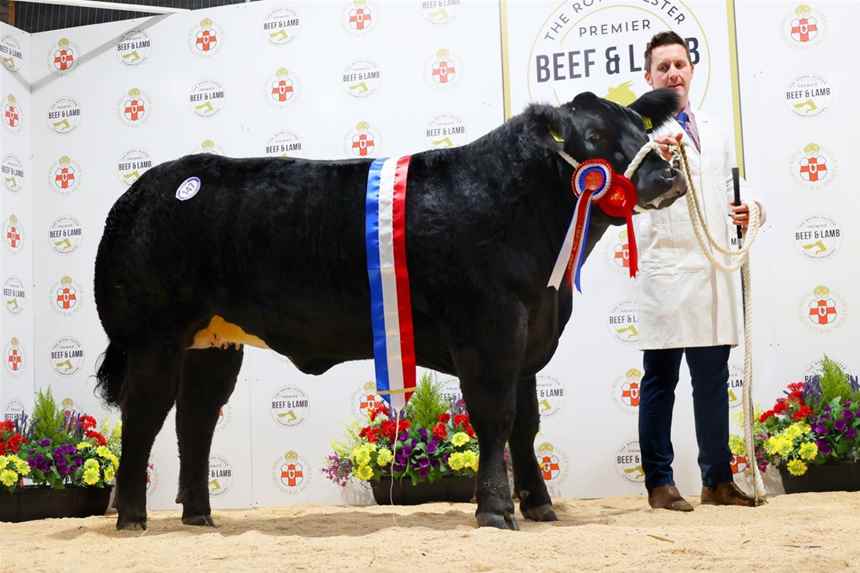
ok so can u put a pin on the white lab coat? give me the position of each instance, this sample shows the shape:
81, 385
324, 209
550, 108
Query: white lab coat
683, 300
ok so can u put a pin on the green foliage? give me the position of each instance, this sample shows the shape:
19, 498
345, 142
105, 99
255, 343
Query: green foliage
427, 403
48, 421
834, 382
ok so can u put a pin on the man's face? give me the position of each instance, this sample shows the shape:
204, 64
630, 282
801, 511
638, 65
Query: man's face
670, 68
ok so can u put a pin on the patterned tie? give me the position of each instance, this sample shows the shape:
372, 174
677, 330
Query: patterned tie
684, 119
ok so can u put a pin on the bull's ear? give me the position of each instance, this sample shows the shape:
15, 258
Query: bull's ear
656, 106
549, 126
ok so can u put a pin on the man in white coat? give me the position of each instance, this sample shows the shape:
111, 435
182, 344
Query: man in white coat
687, 307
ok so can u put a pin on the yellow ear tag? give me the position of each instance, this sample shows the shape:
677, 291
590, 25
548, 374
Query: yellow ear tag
556, 136
646, 121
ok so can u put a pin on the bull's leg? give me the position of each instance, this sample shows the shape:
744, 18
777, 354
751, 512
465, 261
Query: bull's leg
535, 502
208, 379
153, 374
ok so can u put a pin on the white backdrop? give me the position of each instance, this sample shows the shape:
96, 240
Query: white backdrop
103, 103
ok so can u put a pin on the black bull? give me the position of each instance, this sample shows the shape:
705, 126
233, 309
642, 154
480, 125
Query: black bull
276, 247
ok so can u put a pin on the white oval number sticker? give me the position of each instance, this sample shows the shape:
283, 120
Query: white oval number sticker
188, 189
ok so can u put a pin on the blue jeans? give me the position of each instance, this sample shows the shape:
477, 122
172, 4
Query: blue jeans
710, 372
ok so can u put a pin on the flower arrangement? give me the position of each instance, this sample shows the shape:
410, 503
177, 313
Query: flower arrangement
816, 422
433, 439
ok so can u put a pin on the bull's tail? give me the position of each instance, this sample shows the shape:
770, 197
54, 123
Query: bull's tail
111, 374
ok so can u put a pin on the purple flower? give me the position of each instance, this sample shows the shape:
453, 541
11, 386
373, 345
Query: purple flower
423, 467
820, 429
423, 433
851, 433
840, 425
823, 447
404, 435
433, 446
40, 462
847, 415
44, 442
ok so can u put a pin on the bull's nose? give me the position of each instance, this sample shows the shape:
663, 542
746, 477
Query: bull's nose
668, 175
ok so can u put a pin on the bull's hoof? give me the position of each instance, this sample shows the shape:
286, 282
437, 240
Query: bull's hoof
539, 513
506, 521
130, 525
199, 520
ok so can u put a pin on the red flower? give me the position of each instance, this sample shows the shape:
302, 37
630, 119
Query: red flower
796, 396
460, 419
13, 444
403, 425
765, 415
469, 429
802, 413
6, 426
440, 430
387, 430
100, 440
445, 418
796, 386
780, 406
87, 422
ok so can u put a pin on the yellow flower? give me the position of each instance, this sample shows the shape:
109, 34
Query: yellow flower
22, 466
460, 438
3, 460
8, 478
91, 475
808, 450
796, 467
364, 473
360, 456
470, 460
737, 445
109, 473
84, 445
796, 430
103, 452
457, 461
91, 465
384, 457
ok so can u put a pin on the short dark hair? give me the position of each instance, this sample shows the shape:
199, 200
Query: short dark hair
664, 39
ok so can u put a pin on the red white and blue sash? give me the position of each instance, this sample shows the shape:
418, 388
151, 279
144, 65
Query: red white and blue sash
390, 299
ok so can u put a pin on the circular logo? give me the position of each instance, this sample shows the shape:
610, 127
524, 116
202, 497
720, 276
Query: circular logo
284, 144
13, 234
13, 173
65, 235
366, 398
188, 189
359, 17
10, 54
14, 411
818, 237
132, 165
281, 26
443, 70
289, 407
446, 131
66, 296
291, 472
804, 26
735, 386
603, 43
206, 98
14, 296
205, 39
64, 115
67, 356
550, 395
65, 175
552, 463
13, 117
624, 321
134, 108
133, 48
220, 475
813, 167
628, 462
619, 253
63, 56
14, 357
362, 141
626, 390
808, 95
225, 414
823, 310
361, 78
439, 11
281, 88
151, 478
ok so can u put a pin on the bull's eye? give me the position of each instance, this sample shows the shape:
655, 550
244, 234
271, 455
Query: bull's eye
593, 138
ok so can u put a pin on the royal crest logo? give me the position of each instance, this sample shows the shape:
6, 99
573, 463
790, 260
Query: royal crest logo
14, 357
439, 11
67, 356
619, 253
282, 88
823, 310
735, 386
628, 462
65, 175
14, 410
626, 390
220, 475
133, 48
66, 295
63, 56
132, 165
291, 472
552, 463
808, 95
366, 398
443, 69
284, 144
289, 406
208, 146
206, 98
65, 235
362, 141
11, 55
624, 321
151, 478
12, 115
361, 78
818, 237
359, 17
600, 47
134, 108
13, 173
281, 26
14, 296
206, 38
804, 26
550, 395
446, 131
813, 166
64, 115
13, 234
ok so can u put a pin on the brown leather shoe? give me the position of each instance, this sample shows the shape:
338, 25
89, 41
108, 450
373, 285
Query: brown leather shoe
667, 497
726, 493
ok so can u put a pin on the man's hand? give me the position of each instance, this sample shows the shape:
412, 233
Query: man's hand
740, 214
665, 142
